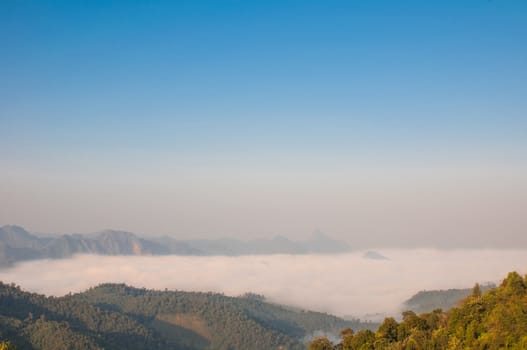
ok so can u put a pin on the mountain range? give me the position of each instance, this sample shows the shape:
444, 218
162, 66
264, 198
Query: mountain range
17, 244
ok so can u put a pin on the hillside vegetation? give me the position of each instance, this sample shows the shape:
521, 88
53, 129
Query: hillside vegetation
116, 316
496, 319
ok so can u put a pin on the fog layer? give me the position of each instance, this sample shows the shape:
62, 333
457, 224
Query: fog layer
347, 284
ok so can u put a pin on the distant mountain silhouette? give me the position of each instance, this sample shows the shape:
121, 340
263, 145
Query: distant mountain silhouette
318, 243
373, 255
17, 244
429, 300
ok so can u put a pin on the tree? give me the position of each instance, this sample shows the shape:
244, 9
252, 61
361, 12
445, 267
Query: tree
476, 291
388, 329
514, 284
320, 343
346, 333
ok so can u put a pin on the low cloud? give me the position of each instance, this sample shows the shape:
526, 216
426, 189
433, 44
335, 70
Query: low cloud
346, 284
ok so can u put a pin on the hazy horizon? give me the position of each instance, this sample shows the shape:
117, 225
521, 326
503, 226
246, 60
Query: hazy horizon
365, 243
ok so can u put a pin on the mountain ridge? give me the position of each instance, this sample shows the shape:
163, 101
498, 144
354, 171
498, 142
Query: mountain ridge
18, 244
118, 316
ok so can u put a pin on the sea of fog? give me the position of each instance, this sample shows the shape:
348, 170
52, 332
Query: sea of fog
344, 284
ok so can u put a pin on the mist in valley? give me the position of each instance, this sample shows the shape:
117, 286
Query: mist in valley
341, 284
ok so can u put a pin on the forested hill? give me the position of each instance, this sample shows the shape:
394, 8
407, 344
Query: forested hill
116, 316
445, 299
33, 321
216, 321
496, 319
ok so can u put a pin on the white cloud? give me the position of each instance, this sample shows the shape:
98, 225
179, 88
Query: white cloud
344, 284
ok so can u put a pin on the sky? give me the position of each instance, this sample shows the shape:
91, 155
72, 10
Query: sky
383, 123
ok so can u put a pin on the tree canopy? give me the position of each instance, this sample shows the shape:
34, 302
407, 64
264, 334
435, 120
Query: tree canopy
496, 319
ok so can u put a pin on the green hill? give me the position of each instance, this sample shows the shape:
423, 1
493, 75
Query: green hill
116, 316
216, 321
33, 321
496, 319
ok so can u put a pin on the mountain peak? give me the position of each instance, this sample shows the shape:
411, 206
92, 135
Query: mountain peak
280, 238
318, 235
14, 231
373, 255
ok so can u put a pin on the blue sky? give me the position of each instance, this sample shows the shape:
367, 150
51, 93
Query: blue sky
205, 88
